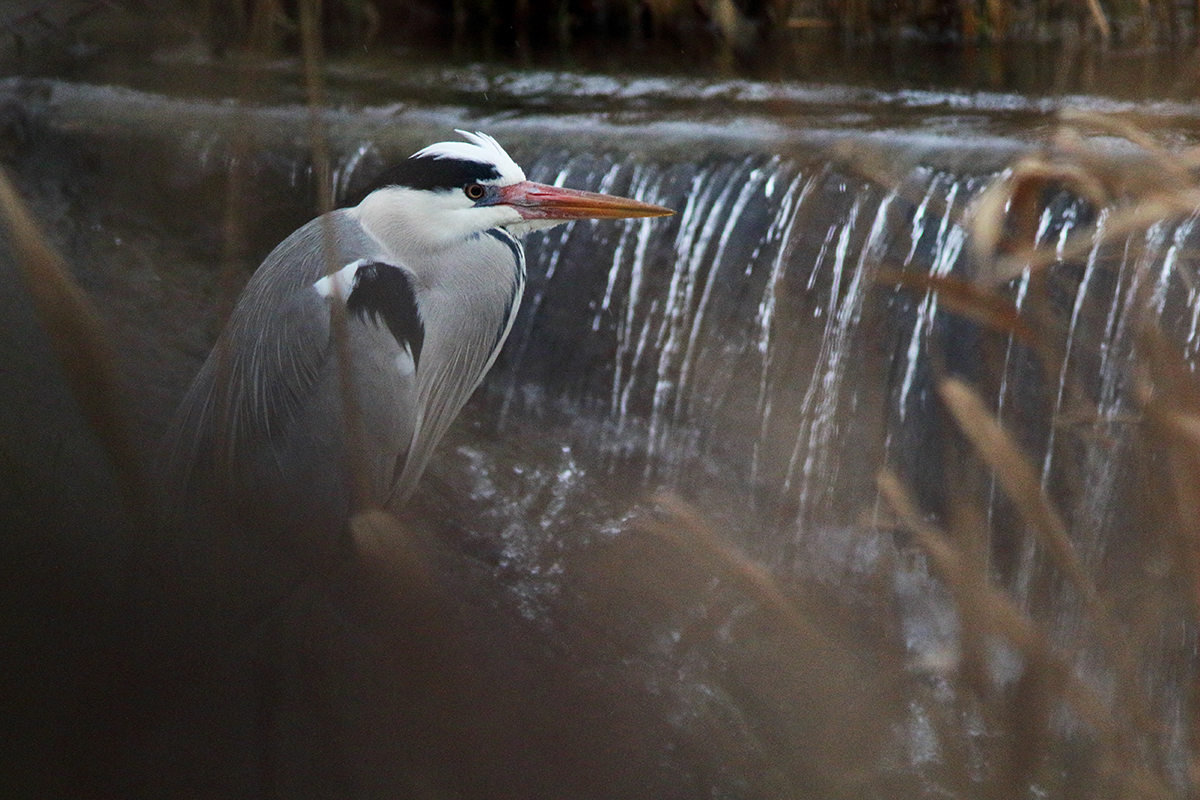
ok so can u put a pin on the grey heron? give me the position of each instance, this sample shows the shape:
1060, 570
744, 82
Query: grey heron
362, 335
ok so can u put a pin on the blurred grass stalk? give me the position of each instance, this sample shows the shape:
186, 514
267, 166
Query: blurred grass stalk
83, 346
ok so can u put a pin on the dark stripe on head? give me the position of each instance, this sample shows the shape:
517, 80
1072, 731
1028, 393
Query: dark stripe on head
429, 174
384, 293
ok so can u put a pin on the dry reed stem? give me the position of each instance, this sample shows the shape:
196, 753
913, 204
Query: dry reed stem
1100, 19
79, 340
1020, 482
313, 59
1120, 224
1018, 193
988, 607
1165, 191
392, 551
1164, 159
702, 542
1136, 199
967, 300
1125, 177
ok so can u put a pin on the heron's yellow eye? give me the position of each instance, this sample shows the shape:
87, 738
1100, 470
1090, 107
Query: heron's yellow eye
475, 191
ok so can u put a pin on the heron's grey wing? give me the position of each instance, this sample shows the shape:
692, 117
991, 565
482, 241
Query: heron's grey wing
272, 355
445, 390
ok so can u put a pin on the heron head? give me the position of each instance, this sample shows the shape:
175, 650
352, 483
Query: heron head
454, 190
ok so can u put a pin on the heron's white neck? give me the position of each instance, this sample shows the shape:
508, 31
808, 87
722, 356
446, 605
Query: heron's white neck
413, 222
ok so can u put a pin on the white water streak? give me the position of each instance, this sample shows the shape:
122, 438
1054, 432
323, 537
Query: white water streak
823, 395
1080, 295
647, 191
695, 232
749, 187
947, 247
781, 230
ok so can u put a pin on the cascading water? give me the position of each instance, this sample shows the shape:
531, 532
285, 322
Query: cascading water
745, 351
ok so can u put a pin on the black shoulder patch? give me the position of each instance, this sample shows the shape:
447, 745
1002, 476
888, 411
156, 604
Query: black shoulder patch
383, 292
427, 173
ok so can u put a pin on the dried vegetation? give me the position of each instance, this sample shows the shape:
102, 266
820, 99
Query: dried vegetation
1115, 625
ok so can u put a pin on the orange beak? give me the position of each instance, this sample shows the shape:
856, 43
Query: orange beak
539, 201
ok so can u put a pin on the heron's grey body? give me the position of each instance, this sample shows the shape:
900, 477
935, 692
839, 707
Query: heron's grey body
266, 421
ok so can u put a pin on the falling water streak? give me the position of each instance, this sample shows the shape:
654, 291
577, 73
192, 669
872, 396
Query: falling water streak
564, 234
780, 229
605, 187
620, 397
1108, 387
1130, 314
1070, 214
916, 231
948, 243
830, 235
344, 172
688, 222
950, 240
1190, 345
1080, 295
749, 187
1099, 461
917, 228
820, 367
606, 182
1101, 457
623, 415
1069, 218
1002, 393
1182, 231
699, 248
1024, 571
834, 354
636, 187
1044, 222
693, 237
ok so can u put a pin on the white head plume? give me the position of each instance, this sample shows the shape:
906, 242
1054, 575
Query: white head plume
478, 147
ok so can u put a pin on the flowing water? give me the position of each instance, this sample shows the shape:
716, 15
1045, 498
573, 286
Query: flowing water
743, 354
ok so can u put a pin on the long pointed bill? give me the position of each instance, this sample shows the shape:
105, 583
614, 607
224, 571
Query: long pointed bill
539, 201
